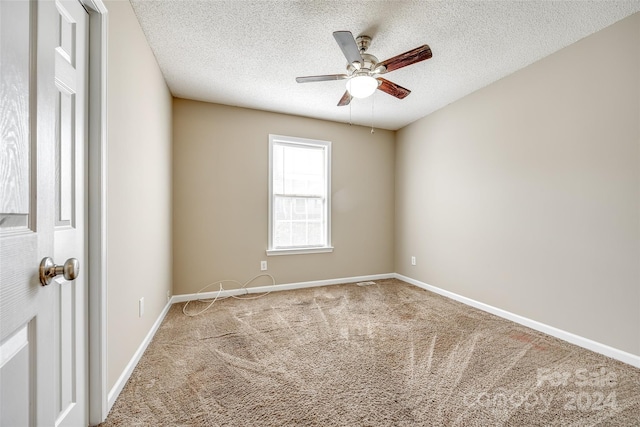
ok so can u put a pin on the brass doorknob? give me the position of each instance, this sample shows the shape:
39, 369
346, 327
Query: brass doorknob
48, 270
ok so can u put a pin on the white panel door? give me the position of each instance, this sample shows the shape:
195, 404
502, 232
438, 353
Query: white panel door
43, 343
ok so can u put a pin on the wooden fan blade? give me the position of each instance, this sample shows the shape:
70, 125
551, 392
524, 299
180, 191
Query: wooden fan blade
392, 88
411, 57
348, 46
308, 79
345, 100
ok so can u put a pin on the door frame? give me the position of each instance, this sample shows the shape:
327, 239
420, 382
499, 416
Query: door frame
97, 206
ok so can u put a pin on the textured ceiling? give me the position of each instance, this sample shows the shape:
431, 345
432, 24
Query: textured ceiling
248, 53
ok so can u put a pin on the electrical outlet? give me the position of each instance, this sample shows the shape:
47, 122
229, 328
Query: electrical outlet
168, 296
263, 265
413, 260
141, 307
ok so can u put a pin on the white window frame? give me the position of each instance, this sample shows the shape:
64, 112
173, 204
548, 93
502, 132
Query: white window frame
294, 141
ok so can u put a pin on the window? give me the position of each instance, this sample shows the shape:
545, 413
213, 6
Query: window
299, 195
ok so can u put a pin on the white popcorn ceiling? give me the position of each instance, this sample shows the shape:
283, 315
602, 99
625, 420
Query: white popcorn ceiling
248, 53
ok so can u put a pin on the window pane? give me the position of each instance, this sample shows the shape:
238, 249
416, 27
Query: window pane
299, 209
315, 232
299, 233
282, 234
299, 221
314, 209
282, 208
302, 170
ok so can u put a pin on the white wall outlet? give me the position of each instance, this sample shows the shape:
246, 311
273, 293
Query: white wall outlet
413, 260
168, 296
263, 265
141, 307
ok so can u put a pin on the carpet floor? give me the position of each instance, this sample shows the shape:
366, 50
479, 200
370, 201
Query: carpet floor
388, 354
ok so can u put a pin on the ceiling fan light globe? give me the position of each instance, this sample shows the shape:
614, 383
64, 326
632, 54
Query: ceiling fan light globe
362, 86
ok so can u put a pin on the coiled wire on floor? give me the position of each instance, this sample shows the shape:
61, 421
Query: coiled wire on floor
219, 298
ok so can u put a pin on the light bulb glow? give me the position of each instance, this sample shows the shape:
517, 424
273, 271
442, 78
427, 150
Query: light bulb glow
362, 86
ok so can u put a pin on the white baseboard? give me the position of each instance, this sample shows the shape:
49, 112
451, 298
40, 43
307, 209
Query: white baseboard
128, 370
274, 288
597, 347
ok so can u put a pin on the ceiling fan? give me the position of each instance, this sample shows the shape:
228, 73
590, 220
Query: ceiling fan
364, 71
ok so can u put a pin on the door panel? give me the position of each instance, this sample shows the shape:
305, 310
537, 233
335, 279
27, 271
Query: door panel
15, 115
43, 348
16, 354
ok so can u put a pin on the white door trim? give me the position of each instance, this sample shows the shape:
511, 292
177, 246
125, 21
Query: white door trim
97, 193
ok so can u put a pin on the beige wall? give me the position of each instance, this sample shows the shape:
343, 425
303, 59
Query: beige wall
139, 188
220, 166
526, 194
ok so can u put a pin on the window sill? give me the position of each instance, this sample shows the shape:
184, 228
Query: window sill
293, 251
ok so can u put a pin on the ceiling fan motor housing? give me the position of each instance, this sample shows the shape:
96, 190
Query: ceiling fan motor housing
369, 64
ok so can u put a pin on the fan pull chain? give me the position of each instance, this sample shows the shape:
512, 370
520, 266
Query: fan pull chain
350, 113
373, 98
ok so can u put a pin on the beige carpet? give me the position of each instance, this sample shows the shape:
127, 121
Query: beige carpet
388, 354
